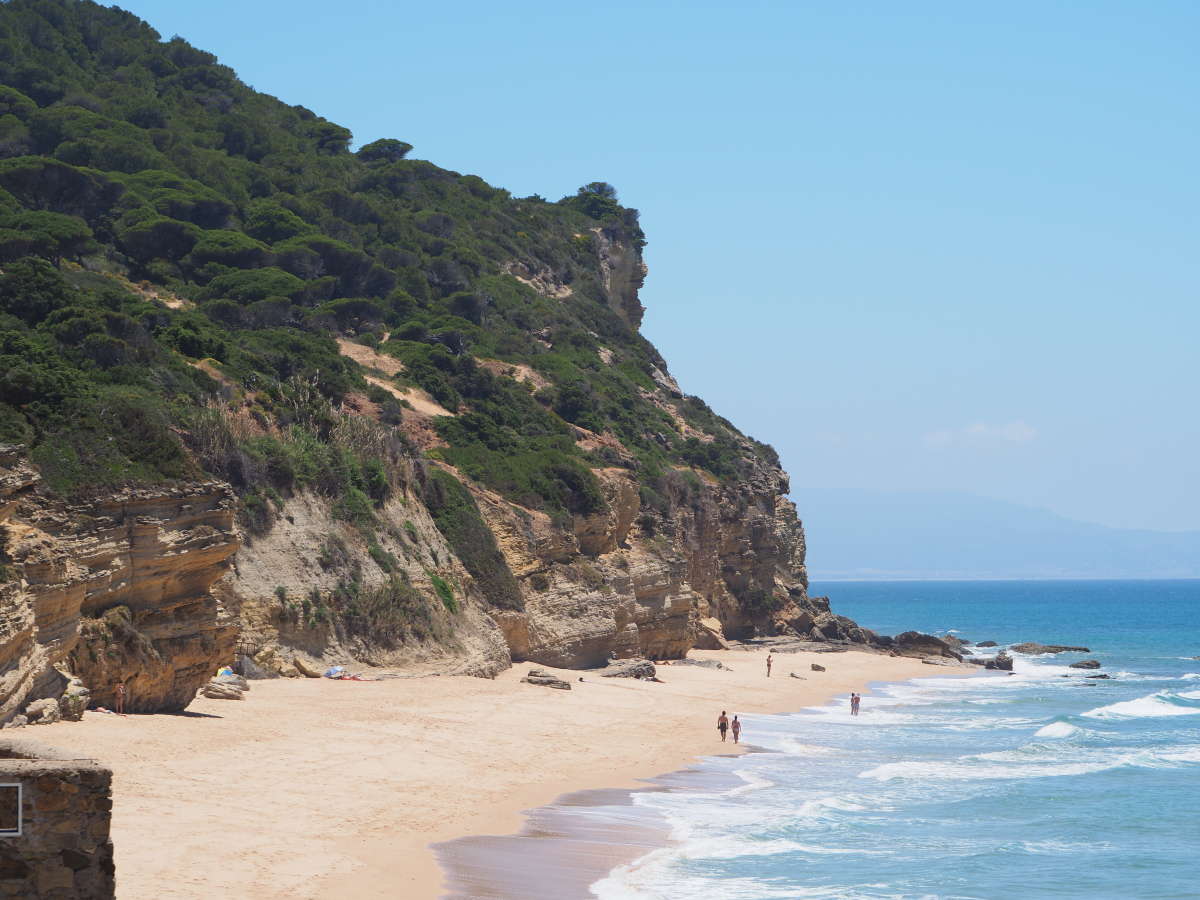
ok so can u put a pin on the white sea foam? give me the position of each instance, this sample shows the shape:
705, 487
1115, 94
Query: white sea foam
1190, 676
753, 783
655, 877
1150, 706
978, 769
1058, 730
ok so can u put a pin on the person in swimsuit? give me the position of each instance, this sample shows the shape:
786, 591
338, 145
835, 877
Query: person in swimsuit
120, 698
770, 660
722, 724
736, 727
854, 701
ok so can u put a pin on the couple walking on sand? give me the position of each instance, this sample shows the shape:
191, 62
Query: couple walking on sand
724, 725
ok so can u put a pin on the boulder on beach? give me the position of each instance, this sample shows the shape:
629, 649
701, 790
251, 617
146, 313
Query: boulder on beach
710, 636
703, 663
1001, 661
629, 668
816, 668
43, 712
74, 700
307, 669
1086, 664
546, 679
215, 690
236, 680
1035, 649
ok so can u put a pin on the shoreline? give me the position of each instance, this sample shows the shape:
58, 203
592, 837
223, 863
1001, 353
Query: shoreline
570, 854
316, 787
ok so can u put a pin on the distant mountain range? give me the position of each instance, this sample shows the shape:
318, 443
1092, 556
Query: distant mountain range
876, 535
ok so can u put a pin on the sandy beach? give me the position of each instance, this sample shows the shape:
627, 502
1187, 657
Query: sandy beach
310, 787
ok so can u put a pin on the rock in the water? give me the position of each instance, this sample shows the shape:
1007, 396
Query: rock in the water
1086, 664
544, 678
630, 668
1097, 676
236, 680
914, 643
214, 690
986, 644
816, 668
1036, 649
1001, 661
43, 712
975, 660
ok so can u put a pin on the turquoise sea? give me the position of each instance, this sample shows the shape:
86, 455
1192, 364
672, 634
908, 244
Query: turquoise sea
1032, 785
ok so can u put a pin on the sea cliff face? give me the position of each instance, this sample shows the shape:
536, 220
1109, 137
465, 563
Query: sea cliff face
112, 590
284, 403
158, 587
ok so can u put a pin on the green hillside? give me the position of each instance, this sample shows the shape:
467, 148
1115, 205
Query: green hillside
177, 247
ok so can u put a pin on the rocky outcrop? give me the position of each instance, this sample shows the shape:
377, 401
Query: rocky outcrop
112, 590
1035, 649
630, 668
1001, 661
1086, 664
914, 643
622, 272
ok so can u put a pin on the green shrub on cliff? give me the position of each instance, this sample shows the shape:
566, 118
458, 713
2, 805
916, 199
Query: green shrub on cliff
458, 519
133, 168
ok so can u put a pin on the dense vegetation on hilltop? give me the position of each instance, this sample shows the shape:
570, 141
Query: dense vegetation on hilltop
180, 254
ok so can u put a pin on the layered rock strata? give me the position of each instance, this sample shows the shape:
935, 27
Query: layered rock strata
113, 590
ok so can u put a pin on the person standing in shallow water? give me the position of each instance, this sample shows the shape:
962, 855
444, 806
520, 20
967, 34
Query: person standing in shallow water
855, 699
770, 659
736, 727
722, 724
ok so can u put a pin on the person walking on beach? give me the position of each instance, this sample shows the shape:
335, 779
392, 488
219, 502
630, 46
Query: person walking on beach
722, 725
770, 659
120, 698
855, 699
736, 727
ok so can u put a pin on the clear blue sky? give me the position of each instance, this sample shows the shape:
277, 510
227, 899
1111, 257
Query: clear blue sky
913, 245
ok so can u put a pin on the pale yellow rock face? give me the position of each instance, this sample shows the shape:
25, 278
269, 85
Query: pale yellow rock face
296, 555
147, 559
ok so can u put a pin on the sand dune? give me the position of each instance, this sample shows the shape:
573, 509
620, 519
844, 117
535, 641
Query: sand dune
314, 788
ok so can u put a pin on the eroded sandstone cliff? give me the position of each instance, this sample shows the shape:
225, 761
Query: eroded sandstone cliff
158, 587
112, 590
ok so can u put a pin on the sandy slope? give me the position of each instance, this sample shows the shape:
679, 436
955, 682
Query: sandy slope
313, 788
